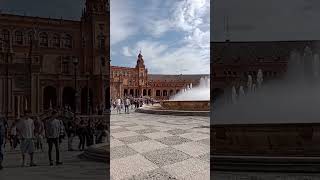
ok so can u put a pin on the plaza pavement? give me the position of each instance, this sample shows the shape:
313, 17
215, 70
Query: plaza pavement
159, 147
72, 168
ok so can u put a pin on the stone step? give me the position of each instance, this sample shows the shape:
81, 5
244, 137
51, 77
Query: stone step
266, 164
96, 153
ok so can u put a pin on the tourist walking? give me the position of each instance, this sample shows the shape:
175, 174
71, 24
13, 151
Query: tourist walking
53, 131
99, 132
26, 130
71, 132
39, 133
62, 131
118, 105
2, 137
90, 134
13, 136
81, 131
126, 105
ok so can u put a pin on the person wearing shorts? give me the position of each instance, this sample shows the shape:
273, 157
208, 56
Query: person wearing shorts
26, 130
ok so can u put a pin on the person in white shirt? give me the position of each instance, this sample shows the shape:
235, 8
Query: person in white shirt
26, 130
126, 105
118, 104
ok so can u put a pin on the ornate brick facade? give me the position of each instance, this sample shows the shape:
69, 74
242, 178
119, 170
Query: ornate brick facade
136, 82
232, 62
39, 55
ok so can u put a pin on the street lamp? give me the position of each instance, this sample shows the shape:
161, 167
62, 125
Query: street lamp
75, 62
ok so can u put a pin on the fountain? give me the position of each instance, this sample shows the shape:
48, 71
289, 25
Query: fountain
191, 101
278, 120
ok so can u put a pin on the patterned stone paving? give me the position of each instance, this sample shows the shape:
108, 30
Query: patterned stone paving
146, 146
72, 168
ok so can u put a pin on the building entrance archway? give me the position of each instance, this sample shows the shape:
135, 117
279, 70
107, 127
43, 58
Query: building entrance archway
68, 97
49, 97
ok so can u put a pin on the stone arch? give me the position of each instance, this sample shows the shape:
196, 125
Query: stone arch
18, 37
164, 93
49, 96
56, 40
171, 93
5, 33
68, 41
144, 92
68, 97
44, 39
131, 92
158, 93
125, 92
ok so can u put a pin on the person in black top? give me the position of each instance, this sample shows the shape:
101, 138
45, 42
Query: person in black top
89, 133
82, 135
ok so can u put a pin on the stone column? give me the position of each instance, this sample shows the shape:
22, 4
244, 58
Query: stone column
18, 105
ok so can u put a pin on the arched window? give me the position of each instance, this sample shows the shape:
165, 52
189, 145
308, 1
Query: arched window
158, 93
101, 40
68, 41
165, 93
56, 41
19, 37
30, 36
171, 92
6, 35
44, 39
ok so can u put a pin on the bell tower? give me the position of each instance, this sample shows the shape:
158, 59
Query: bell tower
95, 35
142, 73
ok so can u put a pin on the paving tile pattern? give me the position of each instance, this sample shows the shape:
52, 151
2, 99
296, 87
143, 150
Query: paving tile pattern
159, 147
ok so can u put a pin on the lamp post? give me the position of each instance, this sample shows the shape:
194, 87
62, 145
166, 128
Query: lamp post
75, 62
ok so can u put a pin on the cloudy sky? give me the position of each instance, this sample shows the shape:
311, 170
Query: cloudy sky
173, 35
266, 20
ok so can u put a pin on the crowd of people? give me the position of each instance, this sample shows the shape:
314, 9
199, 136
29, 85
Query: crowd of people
29, 132
128, 103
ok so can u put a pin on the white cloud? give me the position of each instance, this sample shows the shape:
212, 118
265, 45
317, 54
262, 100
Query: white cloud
121, 21
159, 58
125, 51
191, 54
189, 14
158, 28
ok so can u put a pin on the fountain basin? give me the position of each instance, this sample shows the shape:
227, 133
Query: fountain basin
186, 105
178, 108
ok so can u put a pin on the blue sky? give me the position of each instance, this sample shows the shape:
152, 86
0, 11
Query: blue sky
173, 35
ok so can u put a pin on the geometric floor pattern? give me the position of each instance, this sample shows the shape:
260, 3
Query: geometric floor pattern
146, 146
